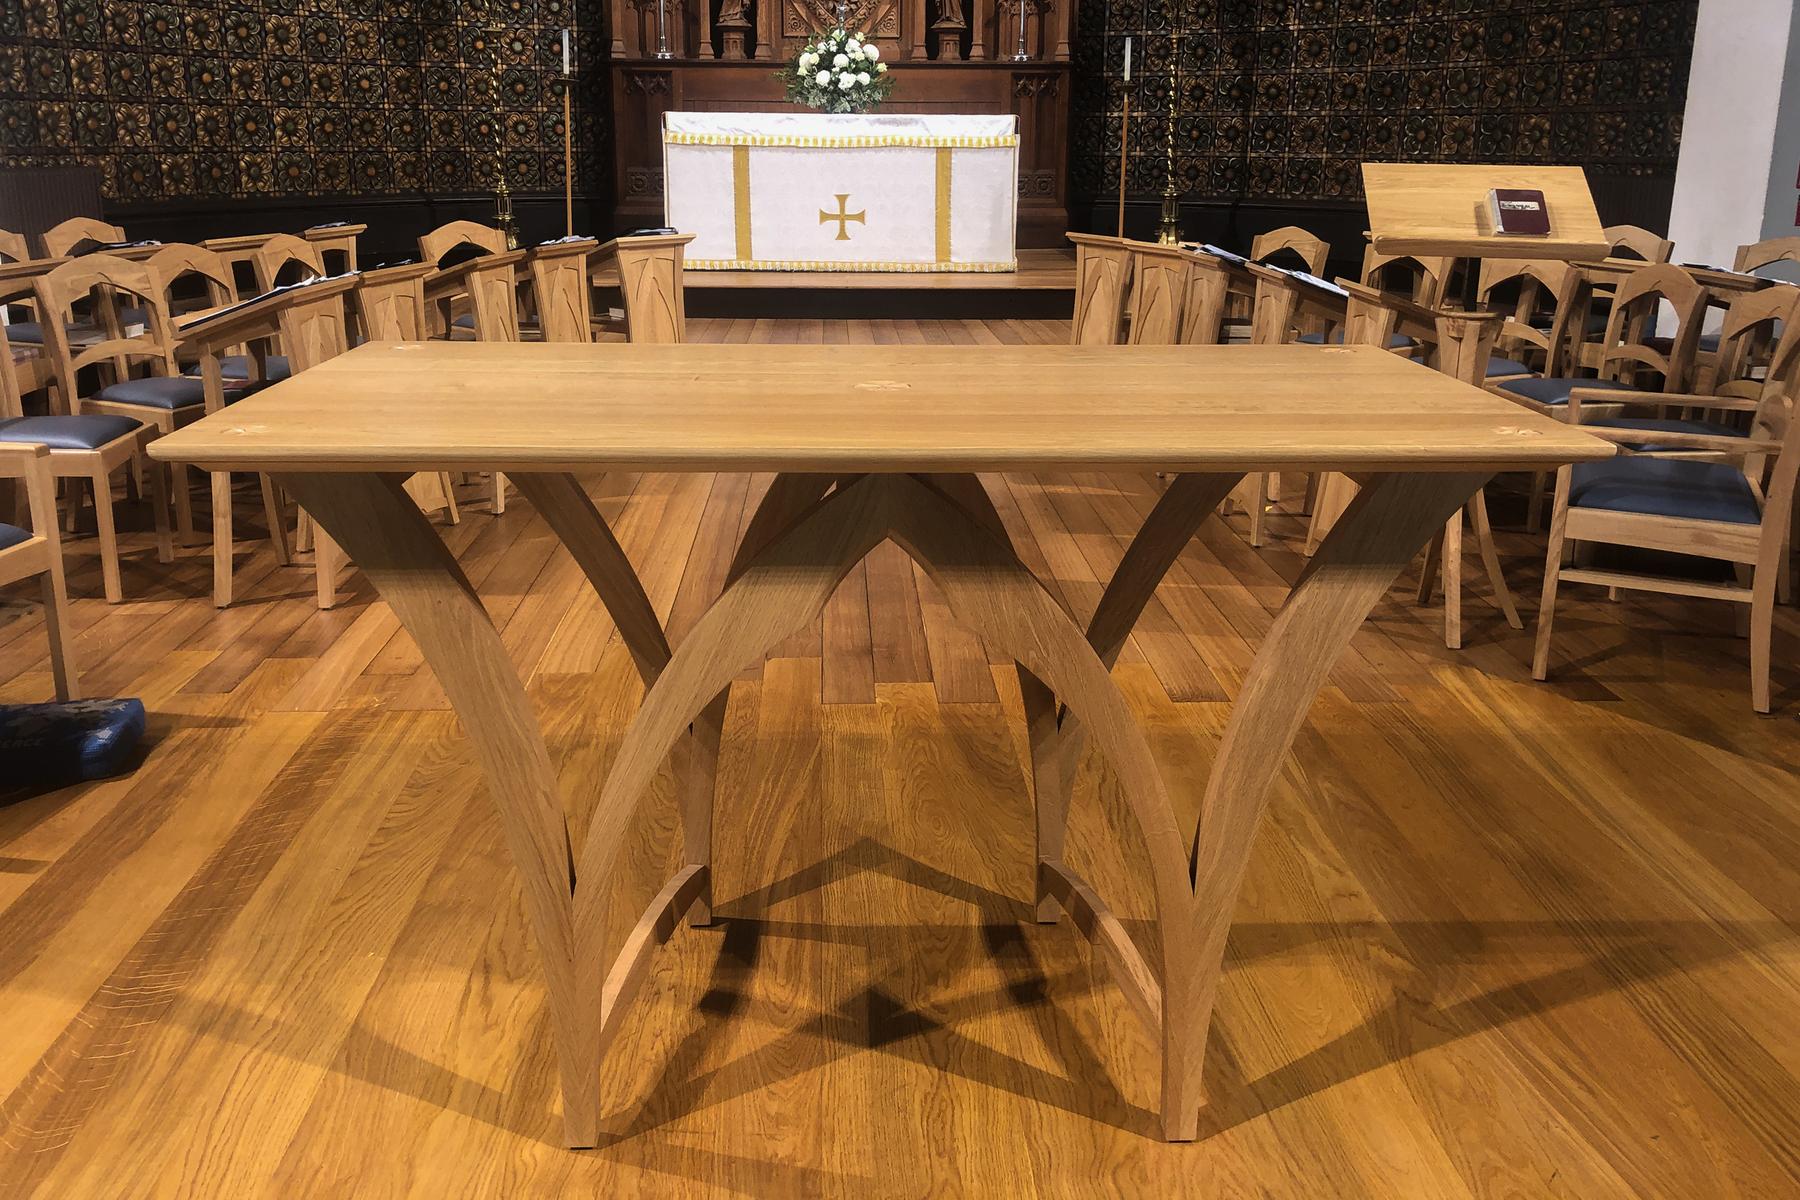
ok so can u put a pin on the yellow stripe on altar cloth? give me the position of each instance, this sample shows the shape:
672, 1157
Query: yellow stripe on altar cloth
804, 264
943, 204
740, 195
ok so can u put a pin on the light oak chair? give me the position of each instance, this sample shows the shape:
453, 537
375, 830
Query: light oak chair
1312, 251
1421, 280
58, 240
336, 240
488, 285
1639, 242
1534, 286
390, 303
1723, 498
1102, 275
12, 246
1757, 255
37, 552
86, 441
435, 245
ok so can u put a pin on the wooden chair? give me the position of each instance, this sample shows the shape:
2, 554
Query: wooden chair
1640, 243
37, 551
488, 284
1158, 288
1523, 344
12, 246
284, 258
651, 287
390, 303
1757, 255
88, 442
236, 253
1724, 498
1312, 251
445, 238
1204, 300
1458, 345
1102, 273
336, 240
58, 240
1421, 280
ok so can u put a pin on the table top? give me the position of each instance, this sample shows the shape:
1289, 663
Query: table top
543, 406
1443, 210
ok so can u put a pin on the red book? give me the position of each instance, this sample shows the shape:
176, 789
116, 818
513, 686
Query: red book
1520, 212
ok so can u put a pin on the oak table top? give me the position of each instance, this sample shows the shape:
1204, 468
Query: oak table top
546, 407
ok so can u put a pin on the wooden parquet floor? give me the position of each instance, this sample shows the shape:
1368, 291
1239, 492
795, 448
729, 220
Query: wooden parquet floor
1498, 939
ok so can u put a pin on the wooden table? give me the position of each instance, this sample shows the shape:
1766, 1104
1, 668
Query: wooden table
886, 450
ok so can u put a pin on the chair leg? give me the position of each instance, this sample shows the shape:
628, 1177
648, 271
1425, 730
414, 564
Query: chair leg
224, 541
56, 625
182, 484
1762, 619
272, 517
1259, 510
449, 487
1490, 558
499, 493
303, 532
109, 538
1534, 509
1428, 574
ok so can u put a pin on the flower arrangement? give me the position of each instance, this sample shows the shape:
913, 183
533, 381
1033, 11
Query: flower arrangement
839, 72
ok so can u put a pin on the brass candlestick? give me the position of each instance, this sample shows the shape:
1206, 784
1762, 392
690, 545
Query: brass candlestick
503, 208
1168, 233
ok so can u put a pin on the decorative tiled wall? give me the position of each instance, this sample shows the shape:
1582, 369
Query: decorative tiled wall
1284, 99
244, 98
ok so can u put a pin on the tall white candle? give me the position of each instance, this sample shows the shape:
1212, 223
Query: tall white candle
565, 52
1127, 60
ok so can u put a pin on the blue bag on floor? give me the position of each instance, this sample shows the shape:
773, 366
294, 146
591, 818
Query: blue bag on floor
67, 741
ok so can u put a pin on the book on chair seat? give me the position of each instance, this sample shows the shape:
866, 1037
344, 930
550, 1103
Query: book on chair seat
1519, 212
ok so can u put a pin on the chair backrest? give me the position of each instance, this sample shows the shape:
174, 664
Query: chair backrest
1640, 242
335, 240
1624, 351
1102, 271
1540, 284
445, 238
12, 246
1424, 280
60, 239
391, 303
1283, 303
492, 282
284, 258
1754, 322
1159, 284
1312, 251
101, 280
179, 260
1762, 254
651, 287
1208, 291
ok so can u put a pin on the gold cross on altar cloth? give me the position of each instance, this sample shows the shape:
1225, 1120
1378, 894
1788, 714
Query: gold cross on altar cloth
843, 218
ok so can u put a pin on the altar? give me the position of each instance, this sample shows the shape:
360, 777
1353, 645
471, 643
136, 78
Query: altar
812, 192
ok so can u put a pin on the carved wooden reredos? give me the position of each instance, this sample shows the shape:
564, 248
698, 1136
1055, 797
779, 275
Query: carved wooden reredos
908, 31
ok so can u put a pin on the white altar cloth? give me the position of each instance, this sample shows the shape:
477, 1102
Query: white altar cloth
815, 192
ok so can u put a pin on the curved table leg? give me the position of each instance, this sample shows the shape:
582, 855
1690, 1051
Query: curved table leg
1380, 533
1189, 500
374, 519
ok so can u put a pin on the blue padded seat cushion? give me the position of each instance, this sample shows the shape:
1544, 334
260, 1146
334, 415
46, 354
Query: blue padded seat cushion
1398, 341
82, 431
1665, 487
68, 741
12, 535
1709, 343
165, 392
1506, 366
237, 366
26, 333
1555, 389
466, 321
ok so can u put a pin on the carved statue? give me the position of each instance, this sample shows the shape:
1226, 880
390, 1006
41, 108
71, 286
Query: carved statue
733, 12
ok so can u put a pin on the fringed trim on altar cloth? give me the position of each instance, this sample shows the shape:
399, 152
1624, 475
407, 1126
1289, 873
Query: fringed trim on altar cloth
844, 142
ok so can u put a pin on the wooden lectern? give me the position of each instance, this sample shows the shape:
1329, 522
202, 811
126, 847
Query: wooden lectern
1442, 210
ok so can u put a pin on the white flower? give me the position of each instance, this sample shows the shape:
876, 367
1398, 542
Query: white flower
800, 70
853, 46
823, 78
862, 77
847, 82
841, 61
880, 67
872, 52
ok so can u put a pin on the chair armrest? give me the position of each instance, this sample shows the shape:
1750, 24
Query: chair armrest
1665, 399
18, 460
30, 461
1733, 447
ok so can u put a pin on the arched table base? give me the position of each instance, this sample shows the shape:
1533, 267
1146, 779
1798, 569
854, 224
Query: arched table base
809, 532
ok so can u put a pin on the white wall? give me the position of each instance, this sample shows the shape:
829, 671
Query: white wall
1740, 136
